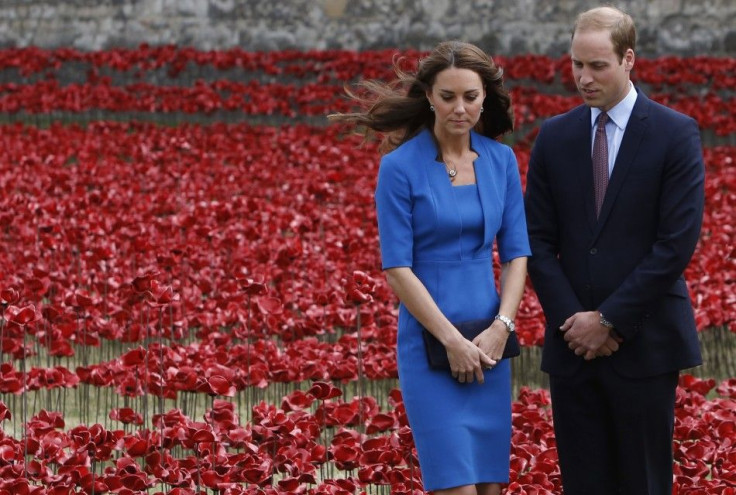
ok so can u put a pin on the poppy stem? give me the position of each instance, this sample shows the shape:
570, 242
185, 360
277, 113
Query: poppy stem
161, 361
250, 399
97, 404
361, 384
2, 331
24, 403
147, 344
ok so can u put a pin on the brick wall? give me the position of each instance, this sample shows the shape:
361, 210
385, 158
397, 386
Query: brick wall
508, 27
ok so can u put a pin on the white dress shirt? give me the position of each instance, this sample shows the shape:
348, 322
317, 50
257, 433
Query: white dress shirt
618, 117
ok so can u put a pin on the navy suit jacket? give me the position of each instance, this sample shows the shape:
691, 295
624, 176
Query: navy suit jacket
629, 262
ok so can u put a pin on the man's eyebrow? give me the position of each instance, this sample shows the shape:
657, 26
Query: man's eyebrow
589, 62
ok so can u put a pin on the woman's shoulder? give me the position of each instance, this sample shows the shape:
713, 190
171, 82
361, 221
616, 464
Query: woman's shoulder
418, 149
421, 143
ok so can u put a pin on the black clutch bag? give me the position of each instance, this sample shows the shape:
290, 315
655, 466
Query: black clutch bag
437, 354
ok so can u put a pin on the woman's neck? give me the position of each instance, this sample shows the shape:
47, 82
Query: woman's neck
452, 145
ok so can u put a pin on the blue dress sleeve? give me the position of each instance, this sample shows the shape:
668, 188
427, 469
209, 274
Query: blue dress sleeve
512, 238
394, 214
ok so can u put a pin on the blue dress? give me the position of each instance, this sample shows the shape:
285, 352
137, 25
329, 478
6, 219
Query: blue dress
445, 234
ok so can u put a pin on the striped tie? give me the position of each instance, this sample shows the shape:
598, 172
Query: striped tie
600, 162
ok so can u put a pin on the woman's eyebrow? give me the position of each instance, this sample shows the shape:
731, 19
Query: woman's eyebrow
449, 92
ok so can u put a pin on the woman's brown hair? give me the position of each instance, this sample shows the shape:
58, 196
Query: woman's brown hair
399, 109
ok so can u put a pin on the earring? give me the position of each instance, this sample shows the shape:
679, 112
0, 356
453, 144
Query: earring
481, 109
431, 108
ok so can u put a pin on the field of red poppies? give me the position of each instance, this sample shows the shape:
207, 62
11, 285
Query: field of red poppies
190, 279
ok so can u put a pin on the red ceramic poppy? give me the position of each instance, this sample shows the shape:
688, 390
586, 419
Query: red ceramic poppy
201, 297
324, 391
126, 415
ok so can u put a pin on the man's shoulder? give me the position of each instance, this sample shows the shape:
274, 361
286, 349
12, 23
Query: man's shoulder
564, 123
658, 110
574, 114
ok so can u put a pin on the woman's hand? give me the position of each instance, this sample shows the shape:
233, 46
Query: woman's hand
492, 340
467, 360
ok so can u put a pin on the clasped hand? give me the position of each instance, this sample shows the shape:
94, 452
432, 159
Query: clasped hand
587, 337
469, 359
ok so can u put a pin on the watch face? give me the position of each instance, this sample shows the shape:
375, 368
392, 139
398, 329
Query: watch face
510, 326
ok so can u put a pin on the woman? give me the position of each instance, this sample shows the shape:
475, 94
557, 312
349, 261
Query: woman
445, 191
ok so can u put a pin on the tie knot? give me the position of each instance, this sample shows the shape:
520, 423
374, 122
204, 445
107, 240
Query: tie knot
602, 119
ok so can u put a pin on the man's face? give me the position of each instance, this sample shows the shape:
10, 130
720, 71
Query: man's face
601, 78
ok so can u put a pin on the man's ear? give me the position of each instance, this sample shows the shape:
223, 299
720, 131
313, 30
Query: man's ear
629, 58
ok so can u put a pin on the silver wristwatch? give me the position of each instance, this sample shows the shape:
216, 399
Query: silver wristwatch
510, 325
605, 322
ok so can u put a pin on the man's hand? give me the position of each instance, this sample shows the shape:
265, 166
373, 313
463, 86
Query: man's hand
610, 346
587, 337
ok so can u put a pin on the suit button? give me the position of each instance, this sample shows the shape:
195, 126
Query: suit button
594, 251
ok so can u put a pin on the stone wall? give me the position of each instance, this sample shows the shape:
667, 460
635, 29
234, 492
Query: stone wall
509, 27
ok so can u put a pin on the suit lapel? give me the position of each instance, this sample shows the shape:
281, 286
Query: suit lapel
632, 139
584, 162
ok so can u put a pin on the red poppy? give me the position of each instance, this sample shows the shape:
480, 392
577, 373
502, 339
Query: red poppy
4, 412
134, 247
126, 415
324, 391
21, 316
9, 296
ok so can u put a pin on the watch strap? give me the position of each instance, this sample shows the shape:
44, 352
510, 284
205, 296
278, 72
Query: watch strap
510, 326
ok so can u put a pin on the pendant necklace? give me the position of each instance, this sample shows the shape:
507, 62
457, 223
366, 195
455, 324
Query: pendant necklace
451, 170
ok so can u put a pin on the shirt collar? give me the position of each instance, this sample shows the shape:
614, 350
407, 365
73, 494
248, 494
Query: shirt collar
619, 114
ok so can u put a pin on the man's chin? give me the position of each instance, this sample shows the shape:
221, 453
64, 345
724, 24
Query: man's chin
588, 99
593, 103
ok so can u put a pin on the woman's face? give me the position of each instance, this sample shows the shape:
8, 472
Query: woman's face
457, 97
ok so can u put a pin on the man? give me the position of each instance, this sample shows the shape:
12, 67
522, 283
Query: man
608, 254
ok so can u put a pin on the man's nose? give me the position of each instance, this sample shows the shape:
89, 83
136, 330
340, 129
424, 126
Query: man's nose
585, 77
